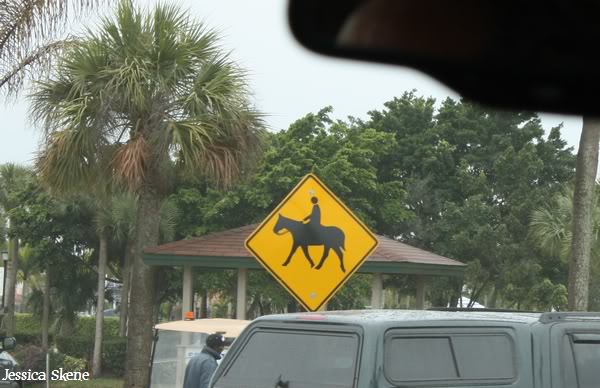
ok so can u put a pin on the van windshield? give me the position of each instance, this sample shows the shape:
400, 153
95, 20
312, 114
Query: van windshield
303, 360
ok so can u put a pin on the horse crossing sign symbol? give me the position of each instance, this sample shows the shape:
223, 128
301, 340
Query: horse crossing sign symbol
311, 243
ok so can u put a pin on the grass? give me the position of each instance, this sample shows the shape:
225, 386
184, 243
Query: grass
95, 383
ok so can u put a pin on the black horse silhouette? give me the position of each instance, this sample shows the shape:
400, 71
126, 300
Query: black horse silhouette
305, 235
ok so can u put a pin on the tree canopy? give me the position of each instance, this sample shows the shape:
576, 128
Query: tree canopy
458, 180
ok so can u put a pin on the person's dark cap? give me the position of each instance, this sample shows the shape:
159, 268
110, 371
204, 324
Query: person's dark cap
215, 341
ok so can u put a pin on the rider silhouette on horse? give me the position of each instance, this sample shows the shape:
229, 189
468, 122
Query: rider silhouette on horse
314, 219
313, 234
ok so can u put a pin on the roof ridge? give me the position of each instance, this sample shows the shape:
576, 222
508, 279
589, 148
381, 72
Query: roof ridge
416, 248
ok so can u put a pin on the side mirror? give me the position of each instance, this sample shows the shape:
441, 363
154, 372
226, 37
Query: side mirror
8, 343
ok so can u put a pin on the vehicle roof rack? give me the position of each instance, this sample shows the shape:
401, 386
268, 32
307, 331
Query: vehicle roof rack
459, 309
566, 316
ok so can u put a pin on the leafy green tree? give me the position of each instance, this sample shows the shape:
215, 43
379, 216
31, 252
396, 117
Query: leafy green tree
459, 181
13, 178
583, 204
61, 234
344, 156
122, 218
472, 175
27, 268
144, 89
551, 229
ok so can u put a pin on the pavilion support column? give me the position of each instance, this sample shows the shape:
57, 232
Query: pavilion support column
188, 290
242, 285
377, 291
420, 292
186, 338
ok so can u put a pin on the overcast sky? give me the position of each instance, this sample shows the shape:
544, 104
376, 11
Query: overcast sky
288, 81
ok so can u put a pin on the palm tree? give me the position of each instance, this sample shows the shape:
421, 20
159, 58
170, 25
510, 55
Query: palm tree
12, 178
126, 101
3, 229
551, 228
123, 220
28, 37
123, 208
116, 218
28, 267
550, 225
583, 203
103, 229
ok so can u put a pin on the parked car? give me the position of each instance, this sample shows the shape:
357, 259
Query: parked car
8, 363
402, 348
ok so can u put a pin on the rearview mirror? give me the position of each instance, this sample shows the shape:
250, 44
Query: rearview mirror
530, 54
8, 343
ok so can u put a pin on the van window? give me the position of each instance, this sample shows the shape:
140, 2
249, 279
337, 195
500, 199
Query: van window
452, 358
581, 360
304, 359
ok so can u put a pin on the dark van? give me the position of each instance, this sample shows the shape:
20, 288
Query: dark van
401, 348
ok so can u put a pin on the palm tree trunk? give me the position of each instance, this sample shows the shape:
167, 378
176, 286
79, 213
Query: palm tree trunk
494, 298
8, 322
583, 202
67, 326
103, 256
23, 308
125, 289
204, 304
141, 306
46, 311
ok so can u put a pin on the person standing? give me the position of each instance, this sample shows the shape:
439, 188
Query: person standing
202, 366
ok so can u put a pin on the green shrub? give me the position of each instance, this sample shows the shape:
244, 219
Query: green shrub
113, 356
113, 351
28, 329
57, 360
30, 357
76, 346
68, 363
72, 364
86, 326
27, 323
28, 338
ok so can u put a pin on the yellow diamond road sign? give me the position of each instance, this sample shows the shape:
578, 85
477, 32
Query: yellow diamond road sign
311, 243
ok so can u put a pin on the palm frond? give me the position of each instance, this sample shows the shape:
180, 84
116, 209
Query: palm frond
550, 230
3, 227
144, 90
130, 162
69, 162
12, 177
13, 75
124, 211
29, 32
169, 215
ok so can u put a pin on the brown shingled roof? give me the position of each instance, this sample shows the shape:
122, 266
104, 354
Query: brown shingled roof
230, 243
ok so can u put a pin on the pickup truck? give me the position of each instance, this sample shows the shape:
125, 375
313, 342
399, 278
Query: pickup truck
402, 348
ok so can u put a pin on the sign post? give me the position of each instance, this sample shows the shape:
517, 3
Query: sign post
311, 243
